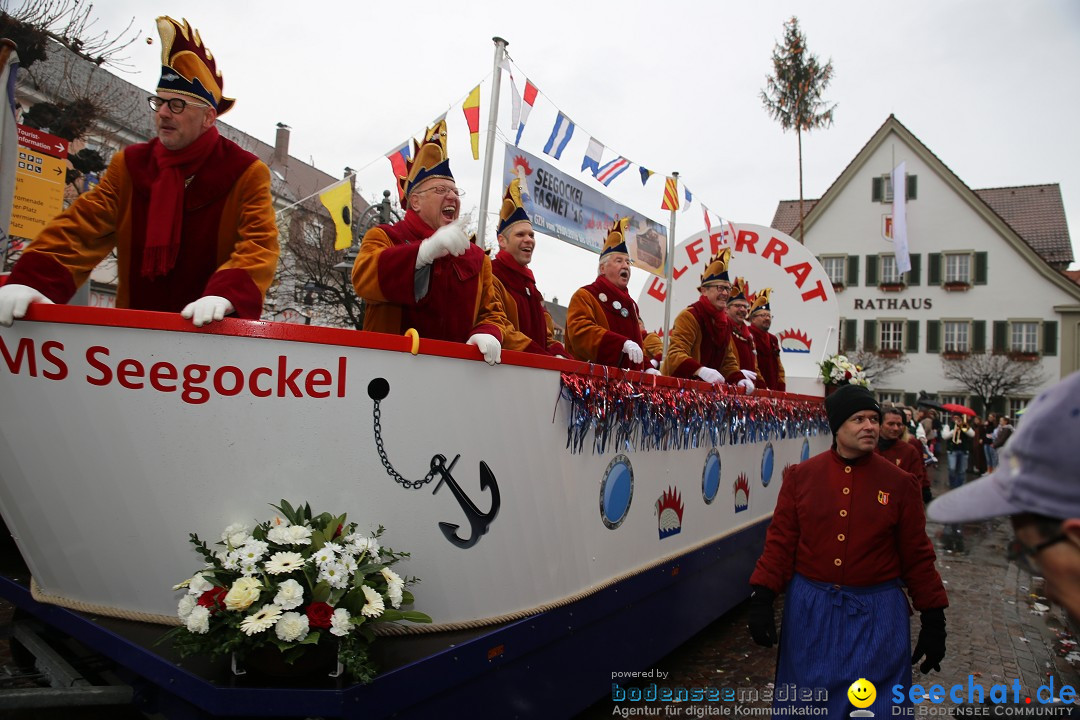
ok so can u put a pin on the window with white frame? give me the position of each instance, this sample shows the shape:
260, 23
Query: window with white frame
834, 266
892, 335
888, 274
1024, 337
958, 268
887, 190
1015, 406
890, 397
954, 400
957, 334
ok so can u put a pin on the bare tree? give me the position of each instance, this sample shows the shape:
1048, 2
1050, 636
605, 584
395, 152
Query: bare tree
68, 22
988, 376
876, 366
792, 95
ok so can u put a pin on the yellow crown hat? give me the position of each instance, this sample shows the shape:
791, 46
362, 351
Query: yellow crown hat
760, 301
188, 67
740, 290
512, 210
615, 243
428, 161
717, 269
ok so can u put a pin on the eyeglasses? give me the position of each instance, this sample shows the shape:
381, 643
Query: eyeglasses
1024, 555
176, 105
726, 289
441, 190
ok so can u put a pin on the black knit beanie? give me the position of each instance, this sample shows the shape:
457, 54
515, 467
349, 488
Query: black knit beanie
846, 401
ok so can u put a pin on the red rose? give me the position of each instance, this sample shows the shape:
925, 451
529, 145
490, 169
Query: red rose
319, 615
847, 374
213, 599
338, 531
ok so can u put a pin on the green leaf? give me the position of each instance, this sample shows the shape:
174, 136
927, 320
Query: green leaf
390, 615
416, 617
321, 592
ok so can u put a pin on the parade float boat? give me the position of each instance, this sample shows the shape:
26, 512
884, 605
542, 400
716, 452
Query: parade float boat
567, 521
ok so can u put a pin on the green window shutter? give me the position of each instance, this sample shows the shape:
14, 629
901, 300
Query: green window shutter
877, 189
933, 336
852, 271
1050, 333
980, 268
1001, 336
978, 336
933, 268
871, 270
851, 327
998, 405
910, 399
869, 341
911, 344
914, 276
912, 187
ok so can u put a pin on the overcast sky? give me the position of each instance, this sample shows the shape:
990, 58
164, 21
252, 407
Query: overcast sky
989, 86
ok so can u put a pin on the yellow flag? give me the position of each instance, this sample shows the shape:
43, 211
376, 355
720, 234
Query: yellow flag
471, 108
338, 200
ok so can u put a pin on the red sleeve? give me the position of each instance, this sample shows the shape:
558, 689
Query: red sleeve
776, 566
916, 552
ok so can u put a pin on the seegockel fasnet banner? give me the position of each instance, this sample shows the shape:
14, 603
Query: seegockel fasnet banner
561, 206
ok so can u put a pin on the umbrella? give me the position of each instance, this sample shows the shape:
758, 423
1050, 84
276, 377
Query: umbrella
958, 409
931, 405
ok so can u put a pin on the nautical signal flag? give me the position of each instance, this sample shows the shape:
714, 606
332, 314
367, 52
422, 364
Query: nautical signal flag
646, 173
560, 136
671, 194
689, 197
399, 157
612, 170
708, 222
471, 108
592, 156
338, 200
526, 107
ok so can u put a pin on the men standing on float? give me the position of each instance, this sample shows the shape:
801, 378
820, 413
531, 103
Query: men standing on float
766, 345
602, 319
515, 284
422, 272
701, 345
738, 305
189, 213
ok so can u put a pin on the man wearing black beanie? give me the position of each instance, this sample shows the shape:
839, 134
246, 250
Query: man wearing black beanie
847, 535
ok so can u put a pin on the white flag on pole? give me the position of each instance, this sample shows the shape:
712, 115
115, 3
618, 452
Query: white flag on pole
899, 220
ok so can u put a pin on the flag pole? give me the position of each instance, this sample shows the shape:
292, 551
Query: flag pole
489, 147
669, 280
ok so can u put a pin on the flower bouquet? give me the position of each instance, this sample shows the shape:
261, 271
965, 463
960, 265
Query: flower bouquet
838, 370
294, 583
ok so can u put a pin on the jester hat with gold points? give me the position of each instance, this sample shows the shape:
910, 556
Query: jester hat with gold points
760, 301
615, 244
716, 271
428, 161
740, 290
512, 211
188, 67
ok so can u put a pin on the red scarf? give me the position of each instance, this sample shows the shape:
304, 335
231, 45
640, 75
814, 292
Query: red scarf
166, 213
716, 329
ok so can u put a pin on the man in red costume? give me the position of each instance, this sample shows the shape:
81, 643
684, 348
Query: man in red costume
893, 447
766, 344
189, 213
602, 319
738, 306
847, 535
422, 273
701, 344
515, 284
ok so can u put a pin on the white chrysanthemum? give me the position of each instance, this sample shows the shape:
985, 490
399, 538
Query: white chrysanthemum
374, 606
291, 627
334, 547
284, 562
198, 620
198, 585
279, 535
254, 549
243, 593
249, 567
299, 535
340, 623
394, 586
264, 619
235, 535
231, 561
324, 556
290, 595
335, 574
187, 604
368, 545
349, 561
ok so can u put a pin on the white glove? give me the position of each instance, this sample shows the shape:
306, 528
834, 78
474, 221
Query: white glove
655, 363
749, 374
447, 240
748, 384
206, 310
489, 345
652, 371
14, 299
709, 375
633, 351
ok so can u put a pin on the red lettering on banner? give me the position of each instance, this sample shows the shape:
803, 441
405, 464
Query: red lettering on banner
128, 369
716, 239
238, 380
341, 376
318, 378
24, 351
163, 371
61, 371
289, 380
678, 273
746, 242
777, 248
817, 292
656, 289
253, 382
694, 250
801, 271
106, 373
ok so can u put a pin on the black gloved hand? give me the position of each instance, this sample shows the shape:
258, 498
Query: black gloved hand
927, 496
761, 619
931, 641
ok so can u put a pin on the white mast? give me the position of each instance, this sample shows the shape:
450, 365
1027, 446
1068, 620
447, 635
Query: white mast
489, 147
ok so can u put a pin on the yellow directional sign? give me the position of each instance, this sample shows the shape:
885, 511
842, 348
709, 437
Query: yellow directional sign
39, 192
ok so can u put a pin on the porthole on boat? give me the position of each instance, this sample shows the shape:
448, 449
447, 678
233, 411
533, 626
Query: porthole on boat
616, 491
710, 477
805, 454
767, 464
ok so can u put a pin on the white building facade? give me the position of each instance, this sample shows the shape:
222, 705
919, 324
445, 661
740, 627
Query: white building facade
986, 272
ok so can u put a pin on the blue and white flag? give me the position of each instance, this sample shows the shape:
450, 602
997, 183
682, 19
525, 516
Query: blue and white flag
560, 136
593, 155
689, 198
899, 223
612, 170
